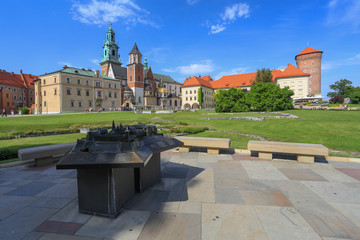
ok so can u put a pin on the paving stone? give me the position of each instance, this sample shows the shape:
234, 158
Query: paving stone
286, 218
128, 225
298, 165
33, 236
204, 165
209, 158
302, 174
262, 170
54, 236
12, 175
31, 189
11, 204
224, 157
51, 202
4, 190
174, 172
72, 174
12, 229
190, 207
58, 227
334, 192
265, 198
199, 194
351, 211
228, 221
354, 173
163, 226
334, 175
170, 184
241, 157
36, 176
229, 196
71, 214
351, 165
161, 201
324, 218
19, 183
60, 191
229, 170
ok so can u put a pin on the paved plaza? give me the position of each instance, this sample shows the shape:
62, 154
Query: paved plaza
201, 196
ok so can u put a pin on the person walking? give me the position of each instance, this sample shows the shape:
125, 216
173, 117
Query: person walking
12, 111
4, 113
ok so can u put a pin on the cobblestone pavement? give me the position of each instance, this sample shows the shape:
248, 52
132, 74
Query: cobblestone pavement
200, 196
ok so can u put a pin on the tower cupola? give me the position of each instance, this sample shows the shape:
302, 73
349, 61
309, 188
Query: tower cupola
110, 47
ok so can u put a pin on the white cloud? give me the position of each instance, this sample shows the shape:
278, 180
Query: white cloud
235, 11
230, 15
102, 12
328, 65
217, 28
206, 66
62, 63
344, 12
192, 2
233, 71
95, 61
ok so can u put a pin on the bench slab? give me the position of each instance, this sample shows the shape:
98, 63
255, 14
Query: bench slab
213, 145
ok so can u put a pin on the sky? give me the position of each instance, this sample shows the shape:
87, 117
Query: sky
183, 38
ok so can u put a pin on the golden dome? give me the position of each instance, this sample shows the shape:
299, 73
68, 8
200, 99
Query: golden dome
161, 90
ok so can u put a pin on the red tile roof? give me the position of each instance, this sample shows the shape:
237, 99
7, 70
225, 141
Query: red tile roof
308, 50
17, 80
242, 80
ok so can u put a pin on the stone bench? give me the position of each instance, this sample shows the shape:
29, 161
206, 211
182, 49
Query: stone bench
305, 152
213, 145
45, 155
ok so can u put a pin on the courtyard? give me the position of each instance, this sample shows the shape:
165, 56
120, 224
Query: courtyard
201, 196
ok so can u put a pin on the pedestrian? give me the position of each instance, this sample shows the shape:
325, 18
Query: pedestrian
12, 111
4, 113
340, 106
345, 106
301, 106
20, 112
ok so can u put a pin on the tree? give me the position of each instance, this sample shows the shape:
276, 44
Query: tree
355, 96
263, 75
232, 100
270, 97
200, 97
341, 88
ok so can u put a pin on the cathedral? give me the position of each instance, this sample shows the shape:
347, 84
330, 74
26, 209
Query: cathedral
140, 87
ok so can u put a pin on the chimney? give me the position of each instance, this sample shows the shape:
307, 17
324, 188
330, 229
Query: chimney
45, 73
12, 73
199, 75
65, 66
20, 71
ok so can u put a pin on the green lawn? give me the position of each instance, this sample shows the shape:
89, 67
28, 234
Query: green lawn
337, 130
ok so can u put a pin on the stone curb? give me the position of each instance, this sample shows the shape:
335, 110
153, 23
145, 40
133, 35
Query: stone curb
17, 163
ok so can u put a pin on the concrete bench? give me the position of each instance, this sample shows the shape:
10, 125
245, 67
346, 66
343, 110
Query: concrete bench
213, 145
305, 152
45, 155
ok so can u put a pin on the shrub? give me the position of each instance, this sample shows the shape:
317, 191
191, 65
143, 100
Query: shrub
24, 110
8, 154
337, 99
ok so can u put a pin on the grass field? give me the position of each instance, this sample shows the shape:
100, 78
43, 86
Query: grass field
338, 130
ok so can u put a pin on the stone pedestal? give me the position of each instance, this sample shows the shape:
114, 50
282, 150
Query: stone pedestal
265, 155
149, 175
305, 158
215, 151
104, 191
184, 149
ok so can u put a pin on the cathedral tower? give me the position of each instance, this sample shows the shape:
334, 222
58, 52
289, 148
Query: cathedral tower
135, 75
309, 61
110, 54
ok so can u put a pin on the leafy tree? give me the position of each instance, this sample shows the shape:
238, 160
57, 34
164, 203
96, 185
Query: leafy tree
270, 97
337, 99
355, 96
200, 97
263, 75
232, 100
341, 88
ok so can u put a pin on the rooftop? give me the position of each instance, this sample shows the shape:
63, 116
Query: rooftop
201, 196
79, 71
308, 50
17, 80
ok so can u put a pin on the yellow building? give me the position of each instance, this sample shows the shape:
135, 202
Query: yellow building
75, 90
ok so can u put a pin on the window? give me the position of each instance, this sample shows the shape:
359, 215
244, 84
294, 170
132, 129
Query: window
190, 98
24, 91
44, 81
113, 104
44, 93
130, 78
72, 103
44, 103
97, 84
139, 99
79, 104
87, 93
68, 92
139, 78
99, 93
312, 70
20, 98
67, 80
31, 92
186, 98
7, 95
109, 85
31, 99
55, 91
194, 98
194, 91
54, 80
113, 52
7, 104
87, 82
186, 92
115, 95
89, 103
14, 90
79, 92
109, 94
78, 81
190, 92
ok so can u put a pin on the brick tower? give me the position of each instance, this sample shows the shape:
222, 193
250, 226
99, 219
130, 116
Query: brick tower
309, 61
135, 75
110, 54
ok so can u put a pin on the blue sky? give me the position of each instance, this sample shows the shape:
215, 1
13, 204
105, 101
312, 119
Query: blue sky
183, 37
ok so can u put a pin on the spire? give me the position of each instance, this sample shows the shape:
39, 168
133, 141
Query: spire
135, 50
110, 47
145, 63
